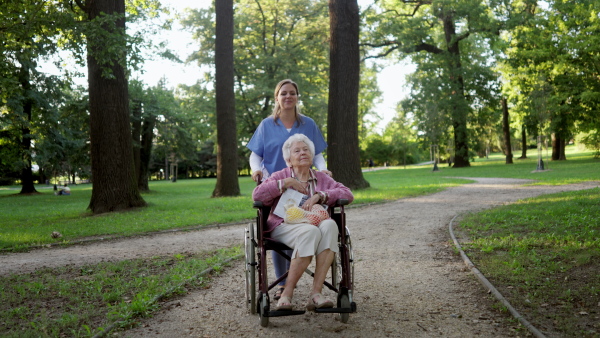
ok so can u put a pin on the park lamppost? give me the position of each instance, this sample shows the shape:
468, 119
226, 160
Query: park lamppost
174, 169
540, 162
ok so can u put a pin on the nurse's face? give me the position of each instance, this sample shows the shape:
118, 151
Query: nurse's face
287, 97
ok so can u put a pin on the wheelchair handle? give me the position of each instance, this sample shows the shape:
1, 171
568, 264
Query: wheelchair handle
342, 201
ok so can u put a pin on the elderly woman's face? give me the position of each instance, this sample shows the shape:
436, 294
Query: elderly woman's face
300, 155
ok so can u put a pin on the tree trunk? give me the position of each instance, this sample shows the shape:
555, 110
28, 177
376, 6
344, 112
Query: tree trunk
344, 76
136, 132
459, 104
563, 145
227, 179
555, 147
558, 147
146, 151
27, 186
43, 176
506, 131
113, 173
167, 173
523, 142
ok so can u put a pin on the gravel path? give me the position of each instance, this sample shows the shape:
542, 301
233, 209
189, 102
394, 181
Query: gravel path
408, 280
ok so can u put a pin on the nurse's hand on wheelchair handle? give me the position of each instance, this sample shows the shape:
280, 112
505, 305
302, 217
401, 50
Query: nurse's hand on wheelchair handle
327, 172
257, 176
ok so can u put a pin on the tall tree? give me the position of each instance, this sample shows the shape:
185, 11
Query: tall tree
113, 170
344, 79
136, 97
28, 31
556, 55
26, 138
274, 40
148, 123
523, 142
461, 38
62, 147
506, 132
227, 178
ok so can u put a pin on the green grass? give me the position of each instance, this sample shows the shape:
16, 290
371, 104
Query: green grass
84, 301
544, 255
580, 166
395, 183
30, 220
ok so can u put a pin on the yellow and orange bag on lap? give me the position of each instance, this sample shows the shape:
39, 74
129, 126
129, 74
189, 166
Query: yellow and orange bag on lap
295, 215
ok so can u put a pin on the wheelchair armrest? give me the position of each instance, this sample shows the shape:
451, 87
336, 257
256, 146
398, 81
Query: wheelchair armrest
342, 201
258, 204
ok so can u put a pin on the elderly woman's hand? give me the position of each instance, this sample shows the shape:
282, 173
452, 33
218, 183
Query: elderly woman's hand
308, 204
293, 183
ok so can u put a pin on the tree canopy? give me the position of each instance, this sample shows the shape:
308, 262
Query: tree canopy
468, 55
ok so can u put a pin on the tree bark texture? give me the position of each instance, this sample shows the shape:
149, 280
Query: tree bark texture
227, 175
27, 186
523, 142
136, 134
459, 105
344, 77
113, 174
506, 131
558, 147
146, 151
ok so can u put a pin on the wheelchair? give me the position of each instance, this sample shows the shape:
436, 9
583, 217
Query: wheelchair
257, 244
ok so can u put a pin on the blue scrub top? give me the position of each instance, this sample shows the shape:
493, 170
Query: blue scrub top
268, 139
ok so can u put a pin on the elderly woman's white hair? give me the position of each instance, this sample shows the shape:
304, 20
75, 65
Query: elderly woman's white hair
293, 139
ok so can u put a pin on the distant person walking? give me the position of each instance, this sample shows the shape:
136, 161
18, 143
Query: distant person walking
371, 164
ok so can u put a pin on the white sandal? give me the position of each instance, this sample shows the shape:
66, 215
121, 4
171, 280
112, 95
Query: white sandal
284, 304
318, 301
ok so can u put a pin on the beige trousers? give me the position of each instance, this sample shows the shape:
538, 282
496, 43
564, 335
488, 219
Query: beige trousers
306, 239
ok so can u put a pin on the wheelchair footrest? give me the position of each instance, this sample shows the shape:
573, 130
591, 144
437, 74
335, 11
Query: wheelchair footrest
350, 309
285, 313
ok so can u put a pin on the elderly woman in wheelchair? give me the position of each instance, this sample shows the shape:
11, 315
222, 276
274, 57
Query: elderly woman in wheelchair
307, 240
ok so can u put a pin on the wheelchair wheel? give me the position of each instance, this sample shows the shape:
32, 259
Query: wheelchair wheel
250, 269
263, 309
350, 257
336, 271
344, 302
336, 266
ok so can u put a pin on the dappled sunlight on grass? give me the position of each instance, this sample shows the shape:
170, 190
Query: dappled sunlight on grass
395, 184
188, 202
579, 166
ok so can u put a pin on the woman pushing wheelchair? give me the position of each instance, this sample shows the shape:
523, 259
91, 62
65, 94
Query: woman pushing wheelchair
306, 240
266, 143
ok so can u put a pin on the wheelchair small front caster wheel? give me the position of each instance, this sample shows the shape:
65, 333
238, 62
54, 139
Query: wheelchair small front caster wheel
263, 310
344, 302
